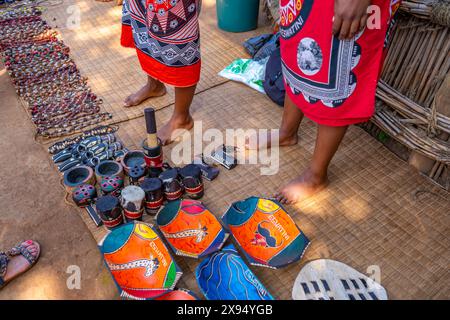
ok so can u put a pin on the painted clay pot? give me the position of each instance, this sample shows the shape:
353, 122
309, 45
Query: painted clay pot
225, 276
139, 261
135, 174
179, 295
133, 158
84, 195
190, 228
77, 176
192, 181
111, 185
172, 187
108, 168
110, 211
132, 200
265, 232
154, 196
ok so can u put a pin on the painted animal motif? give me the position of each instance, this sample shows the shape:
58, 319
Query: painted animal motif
190, 228
150, 265
263, 237
199, 234
265, 232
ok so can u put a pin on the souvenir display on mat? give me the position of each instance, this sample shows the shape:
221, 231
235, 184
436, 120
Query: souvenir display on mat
45, 77
209, 172
89, 151
179, 294
152, 145
190, 228
108, 168
110, 211
225, 156
74, 150
111, 185
325, 279
265, 232
97, 131
135, 174
154, 195
139, 261
77, 176
192, 181
132, 200
172, 187
225, 276
84, 195
131, 159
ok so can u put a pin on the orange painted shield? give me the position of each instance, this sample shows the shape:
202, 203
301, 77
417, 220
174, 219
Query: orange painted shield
190, 228
139, 261
265, 232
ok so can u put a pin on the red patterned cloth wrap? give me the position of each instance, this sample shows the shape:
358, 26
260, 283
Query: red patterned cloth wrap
139, 261
333, 82
166, 36
190, 228
266, 233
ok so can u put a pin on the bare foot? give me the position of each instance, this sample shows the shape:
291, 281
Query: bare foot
302, 187
19, 264
167, 133
150, 90
265, 142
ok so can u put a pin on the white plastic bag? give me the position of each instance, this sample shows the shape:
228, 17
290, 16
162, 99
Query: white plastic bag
247, 71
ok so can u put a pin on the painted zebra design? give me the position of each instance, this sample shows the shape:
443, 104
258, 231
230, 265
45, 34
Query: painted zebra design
150, 265
199, 233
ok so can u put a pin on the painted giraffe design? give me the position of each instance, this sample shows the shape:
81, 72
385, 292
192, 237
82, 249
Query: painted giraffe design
150, 265
199, 233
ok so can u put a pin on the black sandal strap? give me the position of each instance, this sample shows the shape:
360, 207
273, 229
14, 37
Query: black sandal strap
19, 249
4, 260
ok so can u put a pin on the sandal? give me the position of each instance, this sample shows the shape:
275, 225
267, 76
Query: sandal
20, 249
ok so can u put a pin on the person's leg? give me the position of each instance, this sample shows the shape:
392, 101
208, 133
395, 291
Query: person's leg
315, 178
290, 123
153, 88
181, 118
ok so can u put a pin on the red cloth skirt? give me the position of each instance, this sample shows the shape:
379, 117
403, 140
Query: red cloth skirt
333, 82
165, 34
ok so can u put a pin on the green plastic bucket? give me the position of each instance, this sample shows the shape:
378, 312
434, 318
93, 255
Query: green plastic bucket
237, 15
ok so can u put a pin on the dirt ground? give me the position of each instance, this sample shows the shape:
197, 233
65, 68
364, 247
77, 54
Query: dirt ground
65, 240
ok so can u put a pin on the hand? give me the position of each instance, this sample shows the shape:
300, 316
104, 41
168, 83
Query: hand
350, 17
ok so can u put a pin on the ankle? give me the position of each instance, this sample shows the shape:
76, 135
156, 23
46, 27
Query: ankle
181, 118
287, 134
317, 175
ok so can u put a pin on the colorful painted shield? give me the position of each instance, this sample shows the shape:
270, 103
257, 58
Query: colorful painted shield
179, 294
190, 228
266, 233
139, 261
225, 276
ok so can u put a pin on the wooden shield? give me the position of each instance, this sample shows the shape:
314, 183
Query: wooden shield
225, 276
139, 261
190, 228
265, 232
